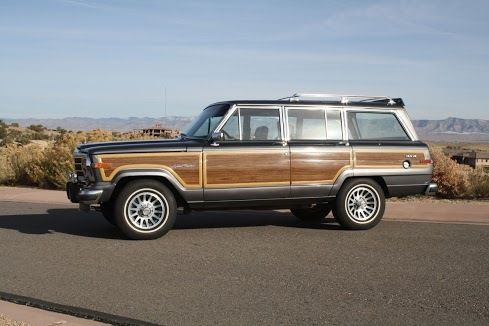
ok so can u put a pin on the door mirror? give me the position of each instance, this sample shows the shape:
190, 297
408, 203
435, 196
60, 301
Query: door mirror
217, 136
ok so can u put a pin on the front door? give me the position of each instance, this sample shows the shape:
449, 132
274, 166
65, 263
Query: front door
252, 161
317, 150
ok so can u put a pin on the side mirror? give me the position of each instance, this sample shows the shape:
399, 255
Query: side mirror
217, 136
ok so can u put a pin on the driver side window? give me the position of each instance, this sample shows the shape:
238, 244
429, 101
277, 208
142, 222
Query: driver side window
231, 128
253, 125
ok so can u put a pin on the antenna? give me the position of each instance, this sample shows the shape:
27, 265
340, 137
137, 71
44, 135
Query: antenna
165, 100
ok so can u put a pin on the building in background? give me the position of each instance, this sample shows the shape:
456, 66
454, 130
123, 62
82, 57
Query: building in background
473, 159
158, 131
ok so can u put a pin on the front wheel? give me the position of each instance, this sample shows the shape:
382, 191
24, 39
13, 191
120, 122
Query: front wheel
107, 210
360, 204
145, 209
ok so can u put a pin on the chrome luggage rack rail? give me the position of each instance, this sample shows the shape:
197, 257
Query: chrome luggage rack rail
344, 99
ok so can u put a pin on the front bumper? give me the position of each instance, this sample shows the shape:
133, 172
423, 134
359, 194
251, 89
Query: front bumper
79, 194
88, 194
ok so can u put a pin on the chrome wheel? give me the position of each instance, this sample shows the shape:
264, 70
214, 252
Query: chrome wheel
146, 210
362, 203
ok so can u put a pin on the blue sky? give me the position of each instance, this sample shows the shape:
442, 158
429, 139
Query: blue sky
97, 58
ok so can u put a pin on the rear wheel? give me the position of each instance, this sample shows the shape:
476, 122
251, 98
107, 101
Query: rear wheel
312, 213
145, 209
360, 204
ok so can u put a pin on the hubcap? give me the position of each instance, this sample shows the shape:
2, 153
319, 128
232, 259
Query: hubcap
362, 203
146, 210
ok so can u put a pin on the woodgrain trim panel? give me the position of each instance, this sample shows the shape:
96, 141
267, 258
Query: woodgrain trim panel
388, 158
312, 166
260, 168
186, 167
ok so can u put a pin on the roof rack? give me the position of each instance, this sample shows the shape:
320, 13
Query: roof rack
344, 99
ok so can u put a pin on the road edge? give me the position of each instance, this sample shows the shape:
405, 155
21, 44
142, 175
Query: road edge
72, 311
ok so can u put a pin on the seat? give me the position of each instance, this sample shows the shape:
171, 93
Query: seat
261, 133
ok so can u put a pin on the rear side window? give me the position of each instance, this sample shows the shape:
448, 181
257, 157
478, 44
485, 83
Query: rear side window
315, 124
307, 124
375, 126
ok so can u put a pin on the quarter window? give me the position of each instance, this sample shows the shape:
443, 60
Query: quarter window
375, 126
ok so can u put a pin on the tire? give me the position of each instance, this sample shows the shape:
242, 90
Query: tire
145, 209
107, 210
311, 214
360, 204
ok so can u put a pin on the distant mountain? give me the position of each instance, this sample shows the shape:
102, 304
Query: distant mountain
453, 130
114, 124
450, 129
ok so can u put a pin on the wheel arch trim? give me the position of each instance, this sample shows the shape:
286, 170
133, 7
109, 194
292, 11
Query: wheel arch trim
186, 194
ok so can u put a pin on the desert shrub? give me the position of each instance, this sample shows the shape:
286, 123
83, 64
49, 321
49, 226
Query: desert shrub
58, 162
479, 183
6, 172
24, 165
457, 180
451, 177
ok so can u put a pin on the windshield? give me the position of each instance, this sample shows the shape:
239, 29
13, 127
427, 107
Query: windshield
207, 121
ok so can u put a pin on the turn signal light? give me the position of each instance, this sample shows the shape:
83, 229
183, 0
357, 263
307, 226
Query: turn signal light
102, 165
426, 161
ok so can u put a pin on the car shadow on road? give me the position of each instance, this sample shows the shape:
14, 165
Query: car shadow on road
93, 225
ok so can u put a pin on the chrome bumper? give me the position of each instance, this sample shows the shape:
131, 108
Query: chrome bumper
432, 189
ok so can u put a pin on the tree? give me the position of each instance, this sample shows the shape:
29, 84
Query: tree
37, 128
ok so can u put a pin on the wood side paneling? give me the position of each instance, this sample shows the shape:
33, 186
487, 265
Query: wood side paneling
246, 169
186, 167
317, 167
379, 158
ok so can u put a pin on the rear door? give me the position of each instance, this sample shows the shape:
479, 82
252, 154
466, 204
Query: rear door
318, 151
252, 162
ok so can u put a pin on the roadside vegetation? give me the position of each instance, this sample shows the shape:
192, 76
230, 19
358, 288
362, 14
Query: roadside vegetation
456, 180
38, 157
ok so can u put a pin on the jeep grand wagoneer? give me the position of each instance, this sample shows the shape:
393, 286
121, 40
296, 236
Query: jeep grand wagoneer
310, 153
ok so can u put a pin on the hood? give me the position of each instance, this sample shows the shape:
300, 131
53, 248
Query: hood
139, 146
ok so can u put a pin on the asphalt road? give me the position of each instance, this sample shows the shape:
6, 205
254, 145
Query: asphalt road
248, 268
